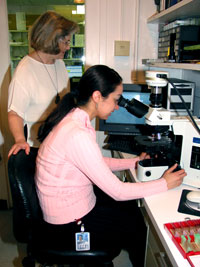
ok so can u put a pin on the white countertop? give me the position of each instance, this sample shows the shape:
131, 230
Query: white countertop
162, 208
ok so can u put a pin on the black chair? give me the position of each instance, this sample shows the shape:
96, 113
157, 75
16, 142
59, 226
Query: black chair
28, 223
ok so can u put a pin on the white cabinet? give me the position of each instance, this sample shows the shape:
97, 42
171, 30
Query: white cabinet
155, 253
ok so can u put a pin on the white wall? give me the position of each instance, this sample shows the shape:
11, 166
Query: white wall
4, 81
125, 20
194, 76
110, 20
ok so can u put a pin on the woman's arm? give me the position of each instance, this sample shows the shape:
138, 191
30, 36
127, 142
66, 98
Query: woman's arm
123, 164
85, 154
117, 164
16, 126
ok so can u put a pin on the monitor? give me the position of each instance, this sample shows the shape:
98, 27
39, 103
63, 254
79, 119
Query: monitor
74, 71
121, 122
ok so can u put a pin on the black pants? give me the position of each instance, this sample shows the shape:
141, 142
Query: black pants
111, 224
118, 223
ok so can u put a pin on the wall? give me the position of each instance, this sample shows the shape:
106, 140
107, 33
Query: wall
110, 20
195, 77
4, 81
120, 20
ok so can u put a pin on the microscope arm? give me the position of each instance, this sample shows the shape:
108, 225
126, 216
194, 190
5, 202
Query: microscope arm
158, 116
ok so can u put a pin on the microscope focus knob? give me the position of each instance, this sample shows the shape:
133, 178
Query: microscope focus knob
148, 173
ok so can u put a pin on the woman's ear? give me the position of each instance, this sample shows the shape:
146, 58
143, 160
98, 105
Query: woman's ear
96, 96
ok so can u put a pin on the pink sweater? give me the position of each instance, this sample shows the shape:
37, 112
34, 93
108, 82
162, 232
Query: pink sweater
69, 162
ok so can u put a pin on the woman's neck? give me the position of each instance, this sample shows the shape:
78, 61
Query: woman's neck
90, 110
43, 57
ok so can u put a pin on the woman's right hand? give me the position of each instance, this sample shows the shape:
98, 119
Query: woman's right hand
18, 146
16, 125
174, 179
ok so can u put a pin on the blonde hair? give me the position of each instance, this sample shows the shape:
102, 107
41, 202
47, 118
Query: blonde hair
48, 29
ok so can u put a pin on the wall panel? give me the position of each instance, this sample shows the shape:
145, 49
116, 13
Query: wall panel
4, 82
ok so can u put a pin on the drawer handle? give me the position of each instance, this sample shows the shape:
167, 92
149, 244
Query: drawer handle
161, 259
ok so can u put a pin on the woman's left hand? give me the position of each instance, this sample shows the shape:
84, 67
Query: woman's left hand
144, 155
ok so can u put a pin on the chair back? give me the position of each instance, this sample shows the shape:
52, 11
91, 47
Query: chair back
26, 208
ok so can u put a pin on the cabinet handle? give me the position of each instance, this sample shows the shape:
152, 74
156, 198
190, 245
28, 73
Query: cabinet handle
124, 179
160, 257
140, 203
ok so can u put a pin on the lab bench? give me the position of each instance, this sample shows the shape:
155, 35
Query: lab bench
158, 210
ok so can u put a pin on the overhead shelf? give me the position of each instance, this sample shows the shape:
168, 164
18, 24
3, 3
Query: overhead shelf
184, 66
181, 10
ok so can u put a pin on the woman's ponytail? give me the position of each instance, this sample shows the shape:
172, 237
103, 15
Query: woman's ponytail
65, 105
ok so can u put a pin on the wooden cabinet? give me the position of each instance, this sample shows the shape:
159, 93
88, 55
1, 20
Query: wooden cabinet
181, 10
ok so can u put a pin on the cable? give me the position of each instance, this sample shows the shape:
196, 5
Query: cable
190, 115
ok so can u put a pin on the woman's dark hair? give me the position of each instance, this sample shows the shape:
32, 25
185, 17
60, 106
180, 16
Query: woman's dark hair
96, 78
48, 29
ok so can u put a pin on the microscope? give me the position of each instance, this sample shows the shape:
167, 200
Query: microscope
169, 139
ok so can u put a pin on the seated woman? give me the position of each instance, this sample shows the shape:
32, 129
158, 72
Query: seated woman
70, 166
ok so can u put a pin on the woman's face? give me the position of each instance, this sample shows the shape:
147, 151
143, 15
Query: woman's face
109, 104
64, 45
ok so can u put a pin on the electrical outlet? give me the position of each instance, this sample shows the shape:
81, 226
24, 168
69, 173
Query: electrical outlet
122, 48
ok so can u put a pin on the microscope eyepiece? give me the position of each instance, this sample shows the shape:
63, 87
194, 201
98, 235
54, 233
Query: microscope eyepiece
133, 106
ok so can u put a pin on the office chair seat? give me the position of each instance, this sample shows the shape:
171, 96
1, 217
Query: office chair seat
29, 226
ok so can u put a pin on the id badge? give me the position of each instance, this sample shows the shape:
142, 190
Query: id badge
82, 241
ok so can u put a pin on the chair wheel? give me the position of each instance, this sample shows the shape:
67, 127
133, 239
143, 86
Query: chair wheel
28, 262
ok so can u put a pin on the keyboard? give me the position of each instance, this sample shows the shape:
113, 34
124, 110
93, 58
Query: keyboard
121, 143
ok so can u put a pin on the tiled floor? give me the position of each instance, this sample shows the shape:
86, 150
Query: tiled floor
11, 252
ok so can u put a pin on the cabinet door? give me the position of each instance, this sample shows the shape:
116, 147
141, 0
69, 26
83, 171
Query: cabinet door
155, 255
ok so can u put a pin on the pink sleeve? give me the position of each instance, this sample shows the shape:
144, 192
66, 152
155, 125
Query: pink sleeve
121, 164
87, 156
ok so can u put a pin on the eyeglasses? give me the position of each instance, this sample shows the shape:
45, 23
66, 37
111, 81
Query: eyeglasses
67, 43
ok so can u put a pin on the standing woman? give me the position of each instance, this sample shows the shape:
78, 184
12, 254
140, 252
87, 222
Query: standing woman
70, 165
40, 79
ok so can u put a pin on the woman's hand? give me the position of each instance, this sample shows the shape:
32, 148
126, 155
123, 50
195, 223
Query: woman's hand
174, 179
144, 155
16, 125
18, 146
